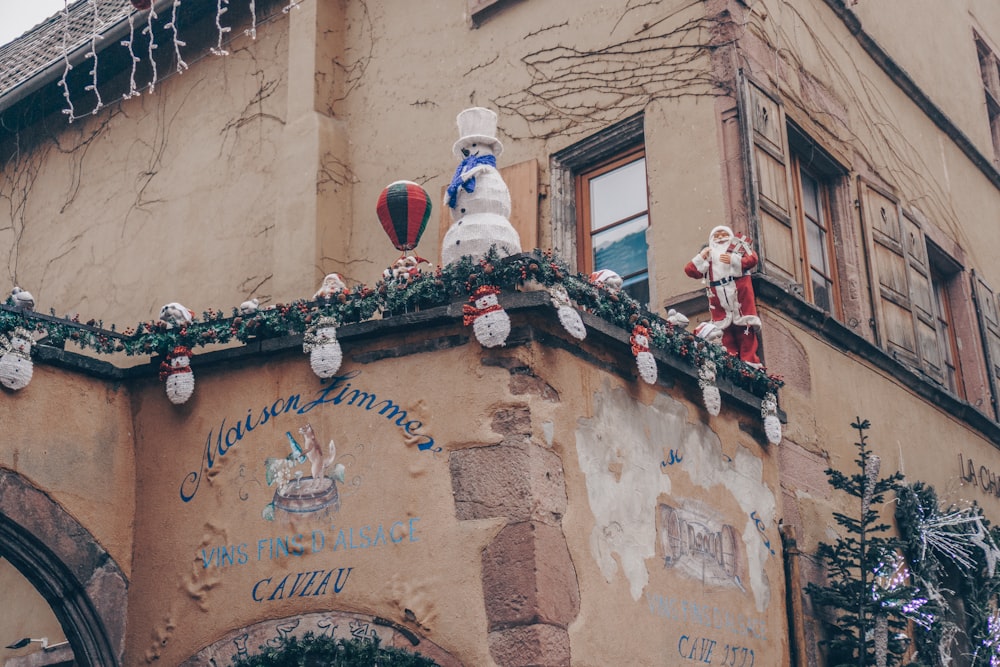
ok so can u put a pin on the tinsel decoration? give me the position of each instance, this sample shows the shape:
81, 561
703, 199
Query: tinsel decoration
568, 315
881, 639
644, 360
176, 372
872, 465
16, 368
320, 342
709, 390
489, 320
982, 539
769, 413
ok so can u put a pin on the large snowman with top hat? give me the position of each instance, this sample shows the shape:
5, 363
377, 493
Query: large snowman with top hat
478, 198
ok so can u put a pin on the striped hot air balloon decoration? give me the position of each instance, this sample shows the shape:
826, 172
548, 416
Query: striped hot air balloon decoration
403, 209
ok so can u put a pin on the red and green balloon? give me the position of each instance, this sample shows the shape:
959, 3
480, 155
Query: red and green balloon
403, 209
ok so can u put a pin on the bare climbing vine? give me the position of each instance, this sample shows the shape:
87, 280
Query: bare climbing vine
577, 89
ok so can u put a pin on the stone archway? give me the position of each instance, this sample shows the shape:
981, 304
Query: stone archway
244, 641
82, 584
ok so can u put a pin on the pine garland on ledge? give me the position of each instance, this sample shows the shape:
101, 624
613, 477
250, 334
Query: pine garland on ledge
447, 284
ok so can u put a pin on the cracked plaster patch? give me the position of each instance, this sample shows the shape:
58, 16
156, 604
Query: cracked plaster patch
620, 450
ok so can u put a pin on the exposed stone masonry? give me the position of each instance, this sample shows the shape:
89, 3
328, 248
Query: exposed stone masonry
529, 581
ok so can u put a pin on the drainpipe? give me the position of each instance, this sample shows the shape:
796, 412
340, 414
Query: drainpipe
793, 595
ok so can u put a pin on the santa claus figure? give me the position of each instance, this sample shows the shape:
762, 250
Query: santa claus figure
725, 266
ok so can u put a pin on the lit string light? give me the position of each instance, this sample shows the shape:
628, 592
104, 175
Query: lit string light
294, 4
891, 592
65, 50
172, 26
222, 6
92, 54
148, 31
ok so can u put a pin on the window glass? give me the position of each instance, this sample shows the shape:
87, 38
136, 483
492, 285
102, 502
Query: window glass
812, 218
614, 217
618, 194
622, 248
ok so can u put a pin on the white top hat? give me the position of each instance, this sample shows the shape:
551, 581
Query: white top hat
477, 126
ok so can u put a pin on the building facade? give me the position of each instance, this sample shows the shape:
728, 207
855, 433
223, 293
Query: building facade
547, 495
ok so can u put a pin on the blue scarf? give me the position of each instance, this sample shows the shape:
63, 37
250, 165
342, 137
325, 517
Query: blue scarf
468, 184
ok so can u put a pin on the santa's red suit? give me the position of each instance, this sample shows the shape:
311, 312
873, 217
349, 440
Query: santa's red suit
730, 292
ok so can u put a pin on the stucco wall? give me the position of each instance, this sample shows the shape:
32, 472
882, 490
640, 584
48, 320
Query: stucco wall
558, 504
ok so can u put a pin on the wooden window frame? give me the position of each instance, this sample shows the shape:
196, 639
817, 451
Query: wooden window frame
585, 235
776, 153
989, 67
945, 275
566, 164
824, 184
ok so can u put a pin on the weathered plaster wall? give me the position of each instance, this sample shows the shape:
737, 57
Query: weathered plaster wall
946, 67
172, 195
72, 436
566, 509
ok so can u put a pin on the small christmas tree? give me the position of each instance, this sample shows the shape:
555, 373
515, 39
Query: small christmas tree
866, 590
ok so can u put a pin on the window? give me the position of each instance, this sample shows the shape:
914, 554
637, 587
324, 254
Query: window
916, 291
793, 200
600, 209
989, 66
614, 216
945, 276
814, 176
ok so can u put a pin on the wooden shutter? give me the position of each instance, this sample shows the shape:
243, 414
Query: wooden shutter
522, 182
989, 327
922, 299
888, 256
770, 208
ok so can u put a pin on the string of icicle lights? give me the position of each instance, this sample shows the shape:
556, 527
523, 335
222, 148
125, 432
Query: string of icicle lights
143, 12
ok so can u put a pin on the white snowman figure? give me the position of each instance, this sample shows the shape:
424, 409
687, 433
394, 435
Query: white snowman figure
176, 372
15, 364
477, 198
568, 316
489, 320
644, 360
320, 342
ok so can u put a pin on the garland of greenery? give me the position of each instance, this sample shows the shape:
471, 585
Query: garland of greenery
951, 547
441, 287
323, 651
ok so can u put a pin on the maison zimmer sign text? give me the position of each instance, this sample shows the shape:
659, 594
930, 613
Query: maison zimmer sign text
340, 391
982, 477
